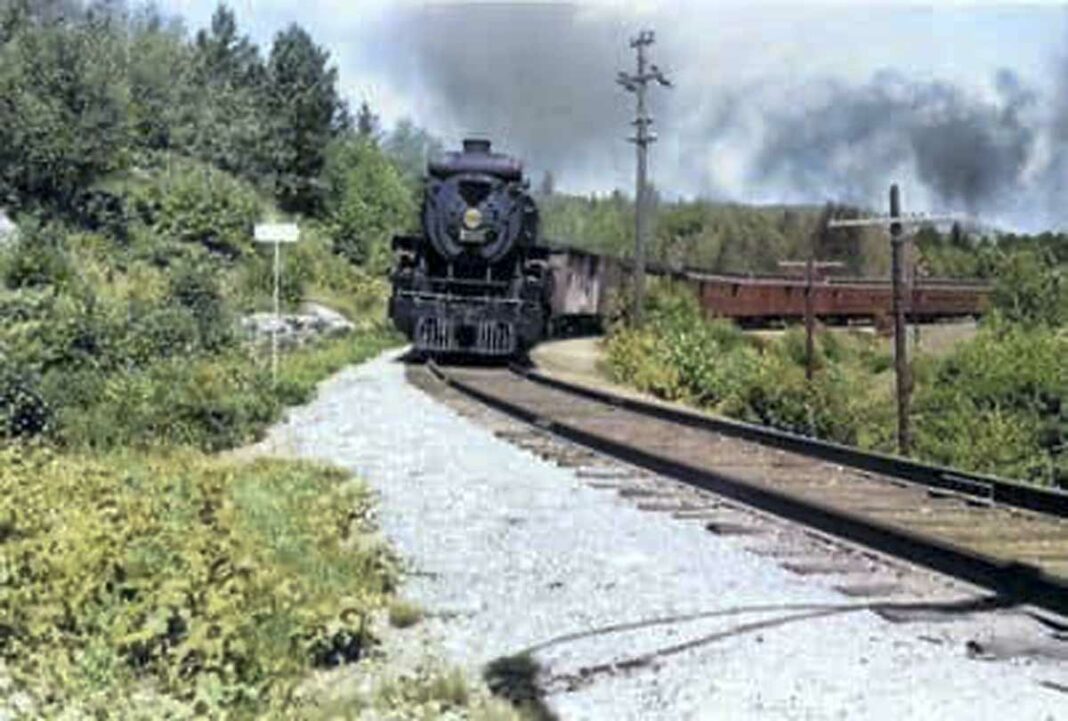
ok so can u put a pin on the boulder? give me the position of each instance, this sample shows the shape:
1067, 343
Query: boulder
296, 329
8, 230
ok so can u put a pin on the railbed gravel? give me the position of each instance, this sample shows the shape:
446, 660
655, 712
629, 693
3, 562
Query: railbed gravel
507, 551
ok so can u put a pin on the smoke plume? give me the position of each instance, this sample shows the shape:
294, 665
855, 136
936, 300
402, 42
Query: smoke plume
538, 80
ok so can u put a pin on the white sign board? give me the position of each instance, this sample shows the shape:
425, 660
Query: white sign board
277, 233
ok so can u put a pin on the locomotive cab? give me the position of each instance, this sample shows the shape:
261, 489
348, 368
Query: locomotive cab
475, 280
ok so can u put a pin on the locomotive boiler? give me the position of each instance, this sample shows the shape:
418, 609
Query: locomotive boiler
475, 280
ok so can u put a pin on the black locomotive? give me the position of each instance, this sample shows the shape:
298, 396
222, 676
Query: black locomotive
476, 281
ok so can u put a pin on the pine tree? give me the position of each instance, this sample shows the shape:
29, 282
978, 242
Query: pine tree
305, 107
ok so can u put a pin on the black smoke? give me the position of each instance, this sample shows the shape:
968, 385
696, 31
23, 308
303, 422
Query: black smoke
538, 79
969, 152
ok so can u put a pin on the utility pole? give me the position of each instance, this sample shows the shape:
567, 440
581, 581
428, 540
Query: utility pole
642, 138
811, 266
896, 223
901, 360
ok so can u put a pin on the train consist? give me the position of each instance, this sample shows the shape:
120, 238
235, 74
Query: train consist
478, 280
584, 284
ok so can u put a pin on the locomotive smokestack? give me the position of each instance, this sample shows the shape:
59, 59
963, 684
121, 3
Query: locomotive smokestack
476, 145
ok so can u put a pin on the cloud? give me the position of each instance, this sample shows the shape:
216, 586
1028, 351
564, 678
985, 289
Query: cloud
966, 107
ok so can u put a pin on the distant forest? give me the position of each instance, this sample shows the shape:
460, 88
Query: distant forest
735, 238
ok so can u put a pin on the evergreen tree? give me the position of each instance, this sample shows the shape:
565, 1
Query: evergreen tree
305, 109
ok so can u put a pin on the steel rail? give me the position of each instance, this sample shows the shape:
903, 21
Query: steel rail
981, 487
1013, 581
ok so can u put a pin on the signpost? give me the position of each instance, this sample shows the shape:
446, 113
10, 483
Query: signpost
276, 233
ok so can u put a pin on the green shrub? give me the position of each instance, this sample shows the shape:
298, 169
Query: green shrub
679, 355
130, 581
196, 288
999, 403
196, 204
23, 411
37, 258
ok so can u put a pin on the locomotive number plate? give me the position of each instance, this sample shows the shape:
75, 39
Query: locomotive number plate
472, 236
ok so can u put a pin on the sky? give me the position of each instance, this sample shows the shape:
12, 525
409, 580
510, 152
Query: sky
964, 104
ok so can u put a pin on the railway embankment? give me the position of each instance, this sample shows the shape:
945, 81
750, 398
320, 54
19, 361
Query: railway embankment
566, 581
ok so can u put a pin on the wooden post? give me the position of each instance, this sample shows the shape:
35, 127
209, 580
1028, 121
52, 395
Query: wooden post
636, 84
811, 265
901, 362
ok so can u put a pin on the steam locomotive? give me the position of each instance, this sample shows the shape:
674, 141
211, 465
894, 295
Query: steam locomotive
476, 280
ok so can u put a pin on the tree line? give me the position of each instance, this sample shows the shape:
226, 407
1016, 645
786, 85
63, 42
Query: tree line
87, 89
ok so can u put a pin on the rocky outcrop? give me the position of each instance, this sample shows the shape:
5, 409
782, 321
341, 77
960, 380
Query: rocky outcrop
314, 321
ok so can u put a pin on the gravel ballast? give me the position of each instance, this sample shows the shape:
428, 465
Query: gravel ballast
508, 552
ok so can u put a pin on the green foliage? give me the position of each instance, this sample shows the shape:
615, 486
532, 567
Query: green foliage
410, 147
305, 106
368, 202
680, 356
38, 258
201, 206
722, 237
996, 404
196, 289
23, 412
1000, 404
1031, 289
63, 121
211, 403
133, 583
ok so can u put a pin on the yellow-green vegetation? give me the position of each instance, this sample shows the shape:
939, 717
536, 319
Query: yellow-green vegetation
130, 580
997, 403
403, 614
423, 694
678, 355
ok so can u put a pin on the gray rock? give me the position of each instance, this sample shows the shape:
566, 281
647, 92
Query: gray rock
296, 329
9, 232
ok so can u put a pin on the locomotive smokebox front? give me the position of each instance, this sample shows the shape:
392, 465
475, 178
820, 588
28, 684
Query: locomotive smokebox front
474, 280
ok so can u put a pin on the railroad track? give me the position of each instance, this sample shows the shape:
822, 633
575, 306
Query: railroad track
1006, 537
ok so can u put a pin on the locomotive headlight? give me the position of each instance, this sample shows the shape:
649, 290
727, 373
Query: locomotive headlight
472, 218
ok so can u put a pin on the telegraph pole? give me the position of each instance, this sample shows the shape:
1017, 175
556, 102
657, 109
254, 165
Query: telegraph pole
811, 266
900, 300
642, 138
901, 360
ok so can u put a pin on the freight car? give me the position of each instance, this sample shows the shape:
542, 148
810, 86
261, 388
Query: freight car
584, 285
764, 300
